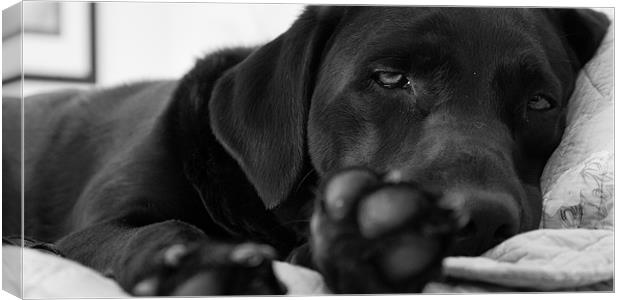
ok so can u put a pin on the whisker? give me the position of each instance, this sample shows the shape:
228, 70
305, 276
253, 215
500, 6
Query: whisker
303, 179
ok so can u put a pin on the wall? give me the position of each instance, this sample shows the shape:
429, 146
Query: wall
162, 40
141, 41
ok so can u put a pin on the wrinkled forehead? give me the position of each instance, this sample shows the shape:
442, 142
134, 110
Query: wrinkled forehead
369, 32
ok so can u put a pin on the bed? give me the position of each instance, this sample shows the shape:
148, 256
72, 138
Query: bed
572, 250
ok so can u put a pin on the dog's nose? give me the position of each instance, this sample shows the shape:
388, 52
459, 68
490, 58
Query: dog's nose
489, 219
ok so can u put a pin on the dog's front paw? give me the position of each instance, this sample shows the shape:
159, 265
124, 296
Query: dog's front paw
373, 235
212, 269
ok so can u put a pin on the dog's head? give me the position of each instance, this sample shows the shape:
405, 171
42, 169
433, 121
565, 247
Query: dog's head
469, 102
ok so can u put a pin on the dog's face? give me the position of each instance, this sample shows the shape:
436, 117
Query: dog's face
467, 102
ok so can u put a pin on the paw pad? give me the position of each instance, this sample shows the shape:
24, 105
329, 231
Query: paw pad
378, 234
388, 208
409, 256
174, 253
342, 189
146, 287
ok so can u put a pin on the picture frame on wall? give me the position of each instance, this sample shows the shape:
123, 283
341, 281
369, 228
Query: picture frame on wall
49, 32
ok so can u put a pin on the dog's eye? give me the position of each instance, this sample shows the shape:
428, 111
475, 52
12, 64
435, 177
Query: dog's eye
392, 80
540, 103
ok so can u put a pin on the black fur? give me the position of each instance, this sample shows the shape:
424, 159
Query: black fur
236, 151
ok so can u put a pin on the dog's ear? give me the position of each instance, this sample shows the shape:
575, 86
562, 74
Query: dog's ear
258, 110
583, 30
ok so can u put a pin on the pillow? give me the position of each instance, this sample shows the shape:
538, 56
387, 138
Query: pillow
578, 181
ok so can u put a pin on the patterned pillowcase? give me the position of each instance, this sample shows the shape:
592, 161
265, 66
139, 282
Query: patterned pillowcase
578, 181
583, 197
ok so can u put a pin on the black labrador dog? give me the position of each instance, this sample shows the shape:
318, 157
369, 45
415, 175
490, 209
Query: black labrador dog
365, 142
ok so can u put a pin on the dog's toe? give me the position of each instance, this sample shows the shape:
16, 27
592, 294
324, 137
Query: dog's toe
146, 287
251, 254
342, 191
212, 269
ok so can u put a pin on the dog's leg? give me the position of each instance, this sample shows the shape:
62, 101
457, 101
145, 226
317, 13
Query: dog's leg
172, 258
376, 235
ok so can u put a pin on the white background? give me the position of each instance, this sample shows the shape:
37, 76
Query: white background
141, 41
147, 40
162, 40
